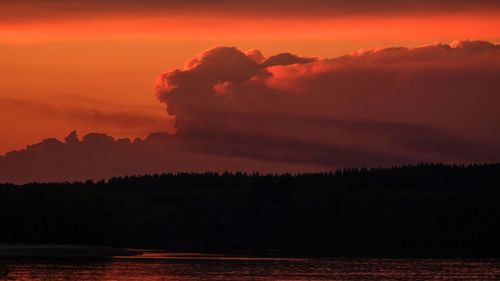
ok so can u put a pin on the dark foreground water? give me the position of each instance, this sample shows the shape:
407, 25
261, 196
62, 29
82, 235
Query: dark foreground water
218, 267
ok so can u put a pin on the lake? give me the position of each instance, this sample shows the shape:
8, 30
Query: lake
165, 266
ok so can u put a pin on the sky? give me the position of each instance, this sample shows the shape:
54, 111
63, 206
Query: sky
362, 75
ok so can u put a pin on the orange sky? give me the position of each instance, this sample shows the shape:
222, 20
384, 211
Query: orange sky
96, 71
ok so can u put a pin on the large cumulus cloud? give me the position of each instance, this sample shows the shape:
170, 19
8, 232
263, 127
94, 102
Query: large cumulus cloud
241, 111
436, 103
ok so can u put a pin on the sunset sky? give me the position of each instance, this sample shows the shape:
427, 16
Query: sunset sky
96, 66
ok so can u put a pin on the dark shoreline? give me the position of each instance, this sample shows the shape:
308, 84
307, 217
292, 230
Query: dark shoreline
54, 251
93, 252
422, 211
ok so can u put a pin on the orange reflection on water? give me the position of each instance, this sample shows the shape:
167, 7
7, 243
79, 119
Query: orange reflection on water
193, 266
201, 256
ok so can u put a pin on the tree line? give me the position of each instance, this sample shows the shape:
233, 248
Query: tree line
422, 210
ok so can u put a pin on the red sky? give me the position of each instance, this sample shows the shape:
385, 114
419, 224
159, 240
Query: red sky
92, 65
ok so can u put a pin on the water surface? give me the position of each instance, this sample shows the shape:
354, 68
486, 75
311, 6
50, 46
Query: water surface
165, 266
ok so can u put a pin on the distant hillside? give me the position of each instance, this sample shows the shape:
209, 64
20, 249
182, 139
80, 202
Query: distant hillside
423, 210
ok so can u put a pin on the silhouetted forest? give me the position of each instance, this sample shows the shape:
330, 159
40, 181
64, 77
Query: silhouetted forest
423, 210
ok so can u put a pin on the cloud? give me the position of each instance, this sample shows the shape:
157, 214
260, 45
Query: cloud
241, 111
371, 107
99, 156
91, 113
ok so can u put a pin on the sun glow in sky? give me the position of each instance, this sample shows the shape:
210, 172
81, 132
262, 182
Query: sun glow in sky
91, 66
